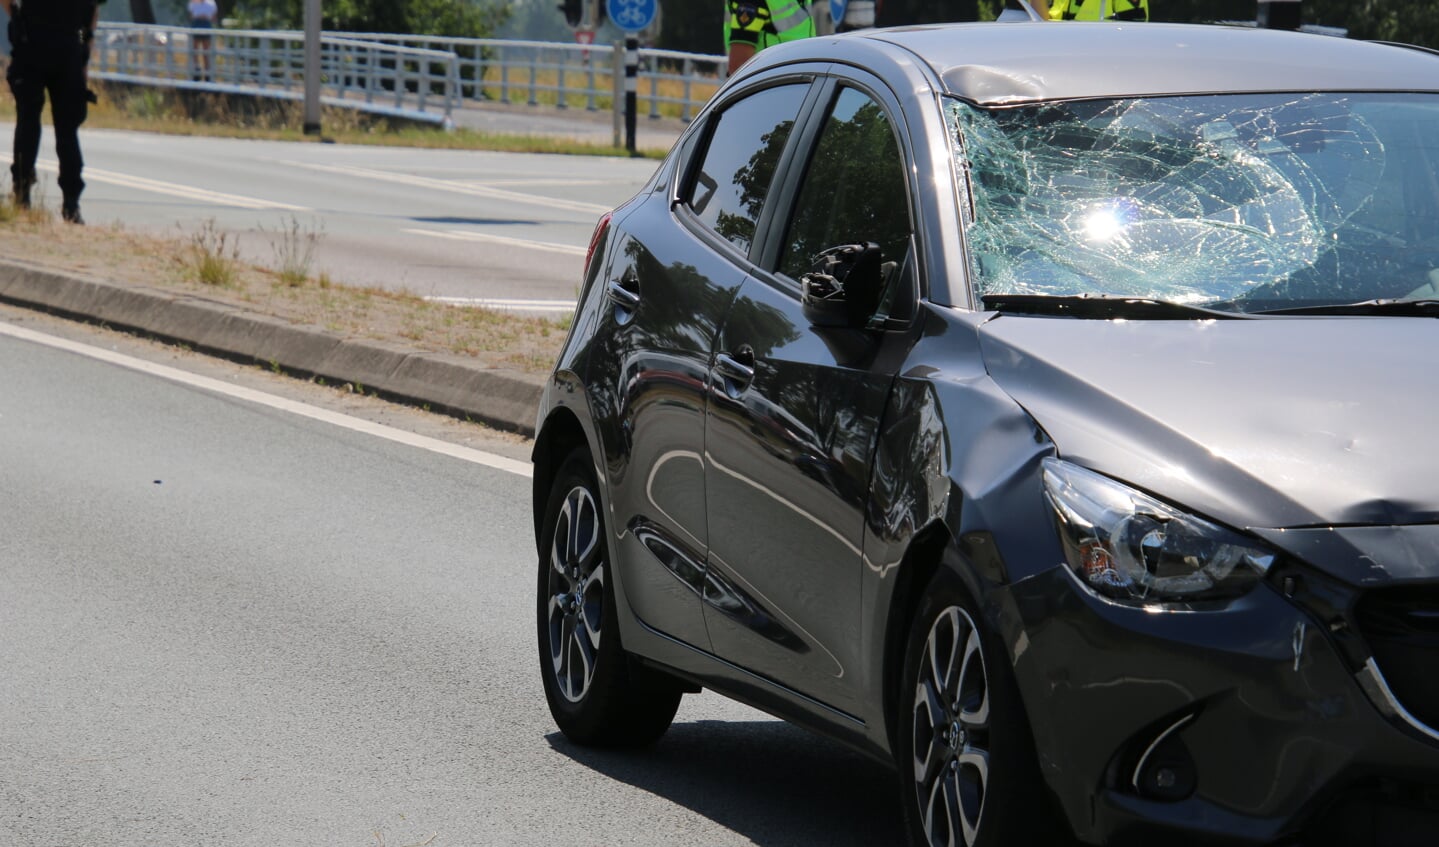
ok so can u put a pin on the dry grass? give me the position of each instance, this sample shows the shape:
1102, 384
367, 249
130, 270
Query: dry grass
178, 264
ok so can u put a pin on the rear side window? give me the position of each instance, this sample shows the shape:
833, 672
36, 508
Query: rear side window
737, 167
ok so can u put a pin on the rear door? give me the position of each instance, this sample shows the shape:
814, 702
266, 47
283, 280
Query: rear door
679, 259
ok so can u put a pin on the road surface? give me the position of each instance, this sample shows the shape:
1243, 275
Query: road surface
232, 618
500, 229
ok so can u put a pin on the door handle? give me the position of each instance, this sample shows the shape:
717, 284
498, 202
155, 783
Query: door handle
626, 297
624, 294
736, 369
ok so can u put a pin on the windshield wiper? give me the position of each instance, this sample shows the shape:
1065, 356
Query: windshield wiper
1103, 307
1383, 307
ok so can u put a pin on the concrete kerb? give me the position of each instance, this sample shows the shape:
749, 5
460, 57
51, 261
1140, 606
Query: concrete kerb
503, 399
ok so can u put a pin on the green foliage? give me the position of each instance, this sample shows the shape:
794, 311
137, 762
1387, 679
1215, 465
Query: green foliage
1412, 21
535, 20
461, 18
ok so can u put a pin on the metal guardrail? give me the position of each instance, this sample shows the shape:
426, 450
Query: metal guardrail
383, 78
416, 76
671, 83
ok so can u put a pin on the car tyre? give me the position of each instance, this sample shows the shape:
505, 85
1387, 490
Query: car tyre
966, 757
598, 695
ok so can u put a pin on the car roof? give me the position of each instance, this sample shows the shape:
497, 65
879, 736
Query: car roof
1012, 63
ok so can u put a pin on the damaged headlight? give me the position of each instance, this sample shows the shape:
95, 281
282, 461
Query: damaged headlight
1128, 546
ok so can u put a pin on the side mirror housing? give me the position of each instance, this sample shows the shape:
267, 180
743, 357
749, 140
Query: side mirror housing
844, 285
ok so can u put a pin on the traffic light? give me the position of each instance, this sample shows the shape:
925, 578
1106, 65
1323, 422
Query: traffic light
574, 11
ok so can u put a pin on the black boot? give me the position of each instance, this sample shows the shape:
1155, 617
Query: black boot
22, 193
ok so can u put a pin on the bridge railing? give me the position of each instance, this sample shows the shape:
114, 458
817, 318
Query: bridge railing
417, 76
381, 77
671, 83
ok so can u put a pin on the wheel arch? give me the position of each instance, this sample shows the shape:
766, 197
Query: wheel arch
559, 435
968, 553
924, 556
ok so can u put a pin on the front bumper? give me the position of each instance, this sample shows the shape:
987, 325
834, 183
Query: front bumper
1246, 724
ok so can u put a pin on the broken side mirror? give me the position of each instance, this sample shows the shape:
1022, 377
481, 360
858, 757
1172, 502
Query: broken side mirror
844, 286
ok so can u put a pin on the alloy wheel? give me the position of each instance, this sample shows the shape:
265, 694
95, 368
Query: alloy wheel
576, 594
951, 731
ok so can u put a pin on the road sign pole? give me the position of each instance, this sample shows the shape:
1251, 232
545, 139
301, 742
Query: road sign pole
632, 16
632, 84
617, 74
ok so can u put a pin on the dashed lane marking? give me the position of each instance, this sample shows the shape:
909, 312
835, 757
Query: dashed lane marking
565, 306
504, 240
186, 192
451, 187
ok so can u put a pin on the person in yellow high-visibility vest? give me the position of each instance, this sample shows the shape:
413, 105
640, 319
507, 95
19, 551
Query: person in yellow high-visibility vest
1099, 10
753, 25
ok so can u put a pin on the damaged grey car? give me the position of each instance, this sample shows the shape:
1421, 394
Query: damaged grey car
1047, 411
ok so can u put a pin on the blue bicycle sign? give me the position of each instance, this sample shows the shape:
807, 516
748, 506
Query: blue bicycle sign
632, 15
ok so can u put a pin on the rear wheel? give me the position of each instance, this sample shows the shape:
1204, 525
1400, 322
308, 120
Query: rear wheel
597, 694
966, 758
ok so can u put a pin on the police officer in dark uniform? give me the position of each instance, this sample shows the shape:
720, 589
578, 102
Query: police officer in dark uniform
49, 49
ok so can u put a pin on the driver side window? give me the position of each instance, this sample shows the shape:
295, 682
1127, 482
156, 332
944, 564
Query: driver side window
854, 188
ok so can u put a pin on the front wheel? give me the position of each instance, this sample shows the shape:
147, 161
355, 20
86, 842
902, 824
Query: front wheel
597, 694
966, 757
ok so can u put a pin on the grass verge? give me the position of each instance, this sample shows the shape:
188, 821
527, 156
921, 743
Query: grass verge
202, 263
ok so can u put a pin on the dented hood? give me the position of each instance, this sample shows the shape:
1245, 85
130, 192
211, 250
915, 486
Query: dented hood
1268, 423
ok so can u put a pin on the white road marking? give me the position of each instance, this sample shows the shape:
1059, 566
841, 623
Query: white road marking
450, 186
462, 235
565, 306
187, 192
434, 445
522, 180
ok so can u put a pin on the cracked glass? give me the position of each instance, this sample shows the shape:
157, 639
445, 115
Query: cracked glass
1239, 202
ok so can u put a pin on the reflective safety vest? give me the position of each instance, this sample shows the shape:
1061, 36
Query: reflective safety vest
765, 23
1099, 10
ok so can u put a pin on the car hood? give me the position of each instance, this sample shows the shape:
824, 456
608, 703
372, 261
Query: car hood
1269, 423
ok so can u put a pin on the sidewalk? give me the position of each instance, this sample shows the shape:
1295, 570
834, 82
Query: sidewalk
501, 398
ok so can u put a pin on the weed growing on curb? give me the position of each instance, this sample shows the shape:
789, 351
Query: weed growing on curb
214, 255
294, 247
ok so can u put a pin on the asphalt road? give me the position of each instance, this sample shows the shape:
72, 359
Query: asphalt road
504, 229
226, 621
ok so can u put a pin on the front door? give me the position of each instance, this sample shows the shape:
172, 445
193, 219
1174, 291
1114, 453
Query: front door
793, 419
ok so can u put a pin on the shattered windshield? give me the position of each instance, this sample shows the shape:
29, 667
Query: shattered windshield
1238, 202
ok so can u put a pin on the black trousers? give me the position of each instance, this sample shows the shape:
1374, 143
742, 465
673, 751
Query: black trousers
50, 63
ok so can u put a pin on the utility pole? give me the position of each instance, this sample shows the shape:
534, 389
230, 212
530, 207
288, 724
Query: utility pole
312, 67
141, 12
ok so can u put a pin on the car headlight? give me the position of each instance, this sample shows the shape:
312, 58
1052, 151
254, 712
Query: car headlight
1128, 546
